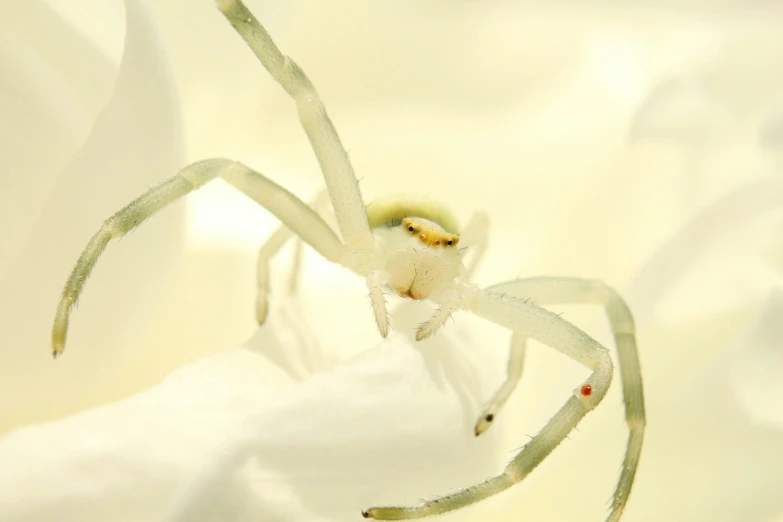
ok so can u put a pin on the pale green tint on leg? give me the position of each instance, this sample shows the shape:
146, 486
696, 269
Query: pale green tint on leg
288, 208
336, 167
116, 226
548, 328
516, 364
567, 290
504, 304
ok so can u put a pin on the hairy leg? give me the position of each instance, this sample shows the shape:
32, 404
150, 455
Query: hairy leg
270, 248
337, 170
548, 328
516, 363
375, 283
288, 208
551, 290
450, 302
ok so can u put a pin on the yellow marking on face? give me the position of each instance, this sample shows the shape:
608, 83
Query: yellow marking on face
430, 233
390, 210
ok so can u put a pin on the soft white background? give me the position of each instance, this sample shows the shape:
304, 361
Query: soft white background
592, 134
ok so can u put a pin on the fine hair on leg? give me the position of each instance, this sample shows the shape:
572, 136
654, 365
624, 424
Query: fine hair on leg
548, 328
292, 211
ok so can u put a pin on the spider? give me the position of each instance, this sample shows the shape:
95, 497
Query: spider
410, 247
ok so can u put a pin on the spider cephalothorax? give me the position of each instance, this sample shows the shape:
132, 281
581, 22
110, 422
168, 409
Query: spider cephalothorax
409, 246
421, 258
427, 262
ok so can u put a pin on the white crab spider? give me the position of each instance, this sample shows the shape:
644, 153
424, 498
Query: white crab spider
410, 247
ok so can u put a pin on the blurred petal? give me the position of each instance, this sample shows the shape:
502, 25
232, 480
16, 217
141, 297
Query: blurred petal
679, 110
97, 21
135, 142
725, 224
771, 131
391, 425
55, 84
721, 467
757, 369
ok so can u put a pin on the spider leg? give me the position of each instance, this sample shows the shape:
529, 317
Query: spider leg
451, 302
474, 237
516, 363
292, 211
550, 290
375, 283
548, 328
337, 170
267, 251
270, 248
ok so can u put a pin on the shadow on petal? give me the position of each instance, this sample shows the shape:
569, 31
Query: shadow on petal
722, 223
236, 429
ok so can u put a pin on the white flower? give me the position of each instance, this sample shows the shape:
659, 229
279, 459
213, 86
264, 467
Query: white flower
389, 426
81, 138
714, 284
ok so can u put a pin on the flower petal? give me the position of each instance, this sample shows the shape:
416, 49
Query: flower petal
757, 369
679, 109
724, 224
391, 425
136, 141
54, 83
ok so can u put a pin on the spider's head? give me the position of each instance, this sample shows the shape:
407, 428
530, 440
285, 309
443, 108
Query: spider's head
421, 256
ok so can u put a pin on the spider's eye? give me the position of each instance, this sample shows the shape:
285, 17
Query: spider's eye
450, 242
411, 229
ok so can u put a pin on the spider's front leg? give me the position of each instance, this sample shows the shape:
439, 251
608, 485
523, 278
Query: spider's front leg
548, 328
516, 364
338, 173
292, 211
341, 182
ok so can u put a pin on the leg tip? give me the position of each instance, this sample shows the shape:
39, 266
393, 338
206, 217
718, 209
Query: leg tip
422, 333
483, 423
366, 514
383, 328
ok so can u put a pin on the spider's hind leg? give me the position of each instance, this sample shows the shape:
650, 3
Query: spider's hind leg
548, 328
551, 290
516, 364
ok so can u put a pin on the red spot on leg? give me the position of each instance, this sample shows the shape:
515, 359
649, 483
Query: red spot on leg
586, 390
